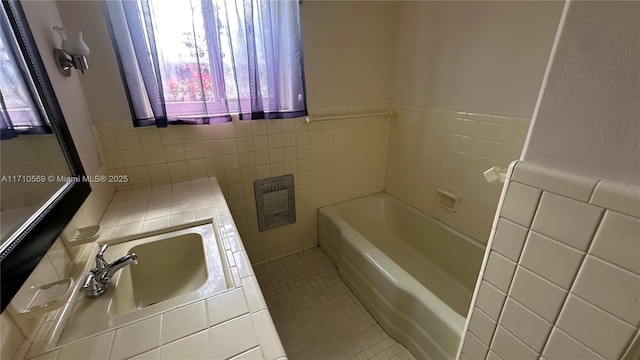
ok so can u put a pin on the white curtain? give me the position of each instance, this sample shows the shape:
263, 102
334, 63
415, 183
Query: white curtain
200, 61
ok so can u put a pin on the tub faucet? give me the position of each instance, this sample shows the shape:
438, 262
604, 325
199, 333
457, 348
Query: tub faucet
98, 279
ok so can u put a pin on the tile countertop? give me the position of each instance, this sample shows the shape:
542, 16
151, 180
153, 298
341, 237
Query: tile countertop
235, 324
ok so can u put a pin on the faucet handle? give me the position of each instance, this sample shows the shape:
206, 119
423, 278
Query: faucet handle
100, 261
103, 248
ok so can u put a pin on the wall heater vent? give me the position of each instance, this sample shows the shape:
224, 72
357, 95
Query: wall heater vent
275, 202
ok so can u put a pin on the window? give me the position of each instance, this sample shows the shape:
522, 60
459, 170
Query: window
200, 61
20, 108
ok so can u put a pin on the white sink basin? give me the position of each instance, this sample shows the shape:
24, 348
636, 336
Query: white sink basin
174, 269
166, 269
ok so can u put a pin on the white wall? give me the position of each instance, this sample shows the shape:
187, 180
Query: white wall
588, 122
467, 75
348, 52
102, 85
42, 17
482, 56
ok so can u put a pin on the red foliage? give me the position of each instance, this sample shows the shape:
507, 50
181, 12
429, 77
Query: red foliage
187, 83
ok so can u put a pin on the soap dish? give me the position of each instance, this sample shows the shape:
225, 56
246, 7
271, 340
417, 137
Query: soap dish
447, 200
47, 297
86, 235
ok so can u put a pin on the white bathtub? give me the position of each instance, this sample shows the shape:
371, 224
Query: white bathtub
413, 273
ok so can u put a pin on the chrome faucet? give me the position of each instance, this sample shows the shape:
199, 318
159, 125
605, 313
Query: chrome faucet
97, 282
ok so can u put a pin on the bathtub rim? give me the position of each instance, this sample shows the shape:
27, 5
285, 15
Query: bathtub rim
393, 272
384, 194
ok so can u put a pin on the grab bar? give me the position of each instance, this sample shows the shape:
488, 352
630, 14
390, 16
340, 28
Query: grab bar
350, 116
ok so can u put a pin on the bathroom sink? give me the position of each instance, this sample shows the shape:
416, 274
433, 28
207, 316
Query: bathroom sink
175, 268
166, 269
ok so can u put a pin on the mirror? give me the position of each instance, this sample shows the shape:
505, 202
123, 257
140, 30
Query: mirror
41, 185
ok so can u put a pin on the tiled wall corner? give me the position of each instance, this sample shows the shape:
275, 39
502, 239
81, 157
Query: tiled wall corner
575, 290
331, 161
430, 148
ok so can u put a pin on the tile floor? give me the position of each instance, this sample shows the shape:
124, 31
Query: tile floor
317, 316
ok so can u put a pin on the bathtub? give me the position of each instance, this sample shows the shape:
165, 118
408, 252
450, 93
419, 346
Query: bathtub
414, 274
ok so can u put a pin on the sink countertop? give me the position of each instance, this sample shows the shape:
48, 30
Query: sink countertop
235, 324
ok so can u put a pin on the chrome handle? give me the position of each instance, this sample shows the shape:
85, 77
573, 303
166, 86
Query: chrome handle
103, 248
88, 280
98, 279
100, 262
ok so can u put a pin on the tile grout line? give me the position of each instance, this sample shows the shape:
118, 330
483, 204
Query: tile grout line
573, 284
512, 280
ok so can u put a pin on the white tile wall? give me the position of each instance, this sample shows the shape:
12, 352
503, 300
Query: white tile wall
331, 161
617, 241
431, 149
594, 284
482, 326
56, 264
576, 288
569, 221
600, 331
508, 346
521, 205
563, 346
509, 239
525, 325
551, 259
499, 271
555, 181
490, 300
473, 348
617, 197
541, 296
